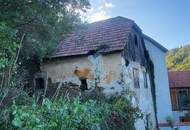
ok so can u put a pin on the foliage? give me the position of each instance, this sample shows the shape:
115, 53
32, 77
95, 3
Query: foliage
123, 115
63, 114
171, 123
7, 95
30, 31
42, 21
60, 115
179, 58
8, 45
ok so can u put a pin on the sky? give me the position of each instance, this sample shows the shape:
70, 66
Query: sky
166, 21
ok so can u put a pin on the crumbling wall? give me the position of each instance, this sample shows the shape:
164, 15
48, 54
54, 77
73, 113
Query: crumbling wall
98, 69
111, 72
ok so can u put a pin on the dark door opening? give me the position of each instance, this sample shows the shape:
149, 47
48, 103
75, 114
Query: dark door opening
83, 85
39, 83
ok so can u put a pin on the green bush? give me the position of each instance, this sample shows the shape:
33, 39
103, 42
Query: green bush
58, 115
70, 115
123, 115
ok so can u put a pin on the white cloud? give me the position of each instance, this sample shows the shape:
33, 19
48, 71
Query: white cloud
100, 11
102, 15
108, 5
105, 5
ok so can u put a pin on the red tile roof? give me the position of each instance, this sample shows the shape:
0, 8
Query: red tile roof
112, 32
179, 79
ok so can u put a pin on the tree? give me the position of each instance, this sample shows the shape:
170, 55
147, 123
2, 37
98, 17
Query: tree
31, 29
179, 58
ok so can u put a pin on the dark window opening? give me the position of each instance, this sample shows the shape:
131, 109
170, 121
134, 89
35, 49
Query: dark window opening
40, 83
136, 78
136, 40
183, 100
92, 52
145, 80
184, 119
126, 62
142, 42
83, 85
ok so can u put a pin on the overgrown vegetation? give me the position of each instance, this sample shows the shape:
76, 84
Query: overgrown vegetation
64, 114
171, 123
179, 58
29, 31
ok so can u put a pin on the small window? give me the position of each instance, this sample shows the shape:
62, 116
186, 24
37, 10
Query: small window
145, 80
136, 78
183, 99
136, 40
83, 85
40, 83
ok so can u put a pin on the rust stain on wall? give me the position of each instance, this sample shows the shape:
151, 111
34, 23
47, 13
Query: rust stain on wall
83, 73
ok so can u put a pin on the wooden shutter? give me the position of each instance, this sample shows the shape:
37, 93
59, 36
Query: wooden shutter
174, 99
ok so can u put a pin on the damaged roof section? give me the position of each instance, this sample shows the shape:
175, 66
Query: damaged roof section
112, 32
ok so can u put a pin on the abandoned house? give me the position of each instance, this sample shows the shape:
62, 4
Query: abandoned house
115, 55
179, 82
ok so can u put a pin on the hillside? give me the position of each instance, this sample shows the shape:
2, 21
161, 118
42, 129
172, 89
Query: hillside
179, 58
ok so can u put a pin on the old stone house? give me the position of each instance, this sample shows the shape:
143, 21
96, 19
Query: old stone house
114, 54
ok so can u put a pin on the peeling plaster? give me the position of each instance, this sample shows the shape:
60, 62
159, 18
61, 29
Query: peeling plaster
74, 80
97, 73
115, 88
98, 68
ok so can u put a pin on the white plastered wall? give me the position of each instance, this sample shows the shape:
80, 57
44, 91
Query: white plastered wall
161, 81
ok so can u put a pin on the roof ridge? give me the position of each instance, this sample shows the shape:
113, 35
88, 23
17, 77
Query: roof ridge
121, 17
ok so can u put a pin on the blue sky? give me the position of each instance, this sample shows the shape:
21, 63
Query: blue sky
166, 21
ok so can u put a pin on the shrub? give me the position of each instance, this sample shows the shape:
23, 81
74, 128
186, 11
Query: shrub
123, 115
58, 115
64, 114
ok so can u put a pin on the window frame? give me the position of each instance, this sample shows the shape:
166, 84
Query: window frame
181, 108
136, 40
136, 79
145, 79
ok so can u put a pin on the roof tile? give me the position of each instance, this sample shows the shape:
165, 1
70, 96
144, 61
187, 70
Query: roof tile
179, 79
112, 32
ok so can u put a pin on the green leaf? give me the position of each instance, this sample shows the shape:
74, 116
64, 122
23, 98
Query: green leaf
17, 122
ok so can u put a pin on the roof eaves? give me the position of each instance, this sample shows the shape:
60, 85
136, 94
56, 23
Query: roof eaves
155, 43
